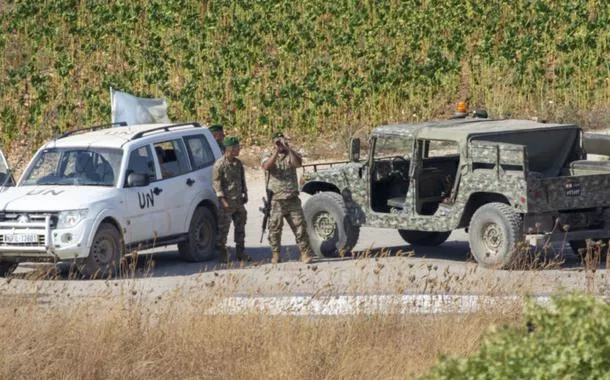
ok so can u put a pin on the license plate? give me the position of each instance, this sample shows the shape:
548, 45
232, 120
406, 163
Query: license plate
573, 189
20, 238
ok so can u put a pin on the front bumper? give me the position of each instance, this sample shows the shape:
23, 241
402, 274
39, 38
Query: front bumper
38, 240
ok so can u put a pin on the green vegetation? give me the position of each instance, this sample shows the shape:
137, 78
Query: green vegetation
569, 341
306, 66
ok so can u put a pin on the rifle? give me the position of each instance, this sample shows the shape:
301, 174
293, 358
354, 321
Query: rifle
266, 207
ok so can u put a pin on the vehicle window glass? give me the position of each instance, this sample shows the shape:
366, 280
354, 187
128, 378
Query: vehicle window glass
438, 148
172, 158
392, 146
44, 164
199, 151
74, 166
141, 161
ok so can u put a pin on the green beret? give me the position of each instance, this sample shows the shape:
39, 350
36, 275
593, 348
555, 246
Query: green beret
215, 127
230, 141
278, 135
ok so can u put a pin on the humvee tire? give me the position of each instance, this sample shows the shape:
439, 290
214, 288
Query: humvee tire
330, 230
201, 241
577, 245
424, 238
494, 231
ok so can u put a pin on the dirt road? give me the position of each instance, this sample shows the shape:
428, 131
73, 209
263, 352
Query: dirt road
391, 268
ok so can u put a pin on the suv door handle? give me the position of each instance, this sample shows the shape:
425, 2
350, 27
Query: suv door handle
190, 181
157, 191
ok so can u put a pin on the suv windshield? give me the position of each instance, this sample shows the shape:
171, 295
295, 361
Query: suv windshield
74, 167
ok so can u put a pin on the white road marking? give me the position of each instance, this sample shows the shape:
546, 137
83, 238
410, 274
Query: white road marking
366, 304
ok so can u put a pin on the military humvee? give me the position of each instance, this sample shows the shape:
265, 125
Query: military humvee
499, 179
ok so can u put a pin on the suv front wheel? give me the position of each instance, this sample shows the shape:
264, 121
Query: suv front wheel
7, 268
201, 241
105, 253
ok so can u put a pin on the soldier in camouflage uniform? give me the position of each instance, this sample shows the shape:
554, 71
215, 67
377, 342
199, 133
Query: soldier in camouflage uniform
280, 169
229, 182
219, 134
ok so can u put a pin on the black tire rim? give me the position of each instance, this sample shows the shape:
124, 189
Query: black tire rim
103, 250
203, 235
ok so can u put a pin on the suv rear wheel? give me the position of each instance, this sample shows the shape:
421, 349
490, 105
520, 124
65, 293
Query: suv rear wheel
201, 242
329, 228
494, 231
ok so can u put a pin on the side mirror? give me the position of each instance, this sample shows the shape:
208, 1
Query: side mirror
137, 180
354, 150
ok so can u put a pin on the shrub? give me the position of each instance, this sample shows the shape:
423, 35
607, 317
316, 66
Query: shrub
568, 340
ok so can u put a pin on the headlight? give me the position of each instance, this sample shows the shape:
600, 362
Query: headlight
70, 218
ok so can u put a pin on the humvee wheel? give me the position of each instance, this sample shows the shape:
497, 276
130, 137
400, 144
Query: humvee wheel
201, 241
579, 247
329, 228
493, 235
105, 253
424, 238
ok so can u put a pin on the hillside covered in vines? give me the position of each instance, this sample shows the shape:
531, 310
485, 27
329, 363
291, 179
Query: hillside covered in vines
309, 66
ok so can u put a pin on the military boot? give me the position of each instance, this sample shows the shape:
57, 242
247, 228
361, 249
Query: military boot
275, 258
306, 257
223, 256
241, 254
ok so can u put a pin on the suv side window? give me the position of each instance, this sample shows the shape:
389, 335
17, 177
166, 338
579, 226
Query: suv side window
141, 161
172, 158
199, 150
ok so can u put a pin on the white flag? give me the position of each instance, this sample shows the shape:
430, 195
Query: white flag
134, 110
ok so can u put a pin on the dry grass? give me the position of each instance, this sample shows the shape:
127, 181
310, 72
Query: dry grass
125, 334
90, 341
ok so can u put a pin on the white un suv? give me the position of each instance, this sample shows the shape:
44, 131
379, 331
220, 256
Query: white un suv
92, 194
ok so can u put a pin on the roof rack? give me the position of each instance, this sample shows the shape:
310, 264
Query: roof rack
165, 128
99, 126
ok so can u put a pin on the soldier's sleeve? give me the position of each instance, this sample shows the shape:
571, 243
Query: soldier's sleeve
265, 156
216, 179
299, 156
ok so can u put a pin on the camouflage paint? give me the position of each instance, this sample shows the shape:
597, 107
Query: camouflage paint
503, 173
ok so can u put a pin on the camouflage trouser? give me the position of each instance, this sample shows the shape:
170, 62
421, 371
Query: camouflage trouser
293, 212
238, 214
